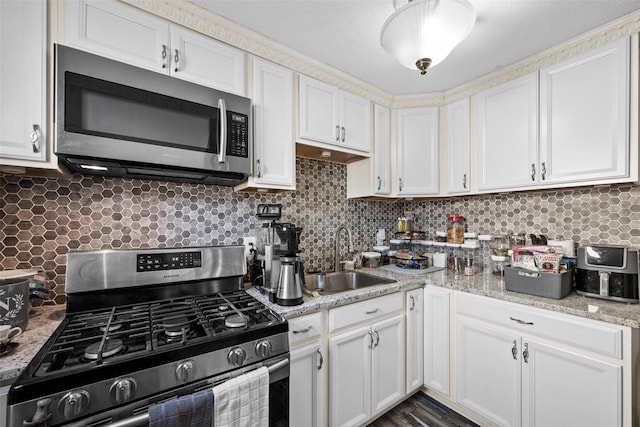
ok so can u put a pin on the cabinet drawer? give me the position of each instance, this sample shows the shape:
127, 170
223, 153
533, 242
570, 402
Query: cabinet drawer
575, 331
365, 311
304, 328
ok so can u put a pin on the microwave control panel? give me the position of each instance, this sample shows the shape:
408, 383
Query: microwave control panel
238, 135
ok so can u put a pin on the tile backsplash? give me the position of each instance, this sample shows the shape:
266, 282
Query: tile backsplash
41, 219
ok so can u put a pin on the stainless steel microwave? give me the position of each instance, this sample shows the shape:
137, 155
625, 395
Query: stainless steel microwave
114, 119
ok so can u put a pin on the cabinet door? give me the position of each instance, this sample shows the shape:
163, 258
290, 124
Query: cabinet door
563, 388
387, 364
417, 150
458, 147
203, 60
355, 129
118, 31
23, 31
305, 386
507, 134
318, 111
382, 150
584, 116
488, 372
273, 124
436, 339
415, 339
350, 377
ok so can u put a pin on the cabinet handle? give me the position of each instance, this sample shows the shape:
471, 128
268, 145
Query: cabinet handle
370, 339
543, 171
375, 331
164, 56
337, 133
176, 59
464, 181
321, 360
258, 167
514, 350
222, 148
379, 183
533, 171
399, 184
413, 303
375, 310
35, 138
302, 331
344, 133
522, 322
525, 353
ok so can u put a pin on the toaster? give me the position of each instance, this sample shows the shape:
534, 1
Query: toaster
608, 272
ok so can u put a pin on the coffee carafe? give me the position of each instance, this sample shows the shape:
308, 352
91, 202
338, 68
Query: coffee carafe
290, 282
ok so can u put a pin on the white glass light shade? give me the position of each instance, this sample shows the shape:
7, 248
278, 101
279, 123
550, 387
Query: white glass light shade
427, 29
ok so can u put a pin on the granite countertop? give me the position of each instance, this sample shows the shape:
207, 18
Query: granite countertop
479, 284
42, 322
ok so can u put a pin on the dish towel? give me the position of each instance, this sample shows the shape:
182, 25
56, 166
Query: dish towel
243, 401
194, 410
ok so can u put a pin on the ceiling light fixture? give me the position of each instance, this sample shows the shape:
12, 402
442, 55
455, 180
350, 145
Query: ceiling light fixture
421, 33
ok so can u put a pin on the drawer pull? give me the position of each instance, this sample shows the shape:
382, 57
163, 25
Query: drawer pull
522, 322
302, 331
374, 311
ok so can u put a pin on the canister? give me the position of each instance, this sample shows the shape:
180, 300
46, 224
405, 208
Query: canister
14, 302
455, 229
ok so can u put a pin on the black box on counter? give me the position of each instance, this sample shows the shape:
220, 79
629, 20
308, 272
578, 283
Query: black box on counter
548, 285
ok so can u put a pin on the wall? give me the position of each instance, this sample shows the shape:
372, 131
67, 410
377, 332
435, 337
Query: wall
42, 219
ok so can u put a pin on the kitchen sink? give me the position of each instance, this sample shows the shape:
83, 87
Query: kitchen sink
341, 281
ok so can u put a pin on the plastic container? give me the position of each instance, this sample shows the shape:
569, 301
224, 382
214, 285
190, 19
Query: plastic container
548, 285
371, 259
455, 229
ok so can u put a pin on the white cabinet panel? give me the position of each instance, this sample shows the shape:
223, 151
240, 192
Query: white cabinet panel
507, 134
382, 150
365, 311
318, 115
414, 308
458, 177
417, 151
355, 129
305, 386
584, 116
387, 364
437, 334
23, 32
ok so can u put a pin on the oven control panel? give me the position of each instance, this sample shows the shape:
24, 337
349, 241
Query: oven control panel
168, 261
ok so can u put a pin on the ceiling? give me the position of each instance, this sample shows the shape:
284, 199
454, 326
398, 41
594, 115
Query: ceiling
345, 34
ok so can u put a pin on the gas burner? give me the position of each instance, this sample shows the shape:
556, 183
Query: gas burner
111, 348
235, 321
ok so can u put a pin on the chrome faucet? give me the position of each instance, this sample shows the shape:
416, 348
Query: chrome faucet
336, 265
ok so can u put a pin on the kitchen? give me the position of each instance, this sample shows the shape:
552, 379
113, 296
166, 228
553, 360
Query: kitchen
45, 217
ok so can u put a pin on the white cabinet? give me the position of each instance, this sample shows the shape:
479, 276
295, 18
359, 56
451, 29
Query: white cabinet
305, 386
507, 134
381, 150
332, 116
436, 339
121, 32
23, 90
272, 97
458, 175
529, 374
414, 309
417, 151
584, 116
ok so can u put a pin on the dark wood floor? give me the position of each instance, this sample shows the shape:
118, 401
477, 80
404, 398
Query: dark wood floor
420, 410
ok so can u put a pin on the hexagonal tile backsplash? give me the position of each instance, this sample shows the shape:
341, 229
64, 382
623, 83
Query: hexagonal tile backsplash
42, 219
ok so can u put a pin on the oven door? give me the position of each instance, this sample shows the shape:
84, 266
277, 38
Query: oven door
136, 414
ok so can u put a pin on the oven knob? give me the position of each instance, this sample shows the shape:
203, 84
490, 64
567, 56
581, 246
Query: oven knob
186, 371
73, 404
237, 356
123, 390
263, 348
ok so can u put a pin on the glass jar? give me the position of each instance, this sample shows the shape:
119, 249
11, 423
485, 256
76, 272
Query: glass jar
455, 229
500, 253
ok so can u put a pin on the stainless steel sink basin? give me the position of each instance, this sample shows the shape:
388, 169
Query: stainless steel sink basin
340, 281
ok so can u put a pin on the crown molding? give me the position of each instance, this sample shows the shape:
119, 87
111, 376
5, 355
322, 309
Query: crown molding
196, 18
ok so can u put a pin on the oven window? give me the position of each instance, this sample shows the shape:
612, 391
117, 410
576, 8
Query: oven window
279, 403
106, 109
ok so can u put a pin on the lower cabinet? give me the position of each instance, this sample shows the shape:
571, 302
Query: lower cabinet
305, 386
414, 309
437, 331
366, 371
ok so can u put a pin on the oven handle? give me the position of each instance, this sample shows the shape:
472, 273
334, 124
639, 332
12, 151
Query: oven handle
143, 419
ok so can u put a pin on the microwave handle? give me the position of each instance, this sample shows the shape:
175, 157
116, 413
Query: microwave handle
222, 149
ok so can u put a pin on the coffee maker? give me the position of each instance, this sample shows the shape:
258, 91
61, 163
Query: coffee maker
279, 271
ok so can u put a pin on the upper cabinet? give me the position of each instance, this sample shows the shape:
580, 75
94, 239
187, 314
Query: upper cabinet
458, 176
332, 116
23, 89
121, 32
507, 134
382, 150
417, 151
272, 96
584, 116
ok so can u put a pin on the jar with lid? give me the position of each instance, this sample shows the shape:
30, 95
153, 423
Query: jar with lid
500, 253
455, 229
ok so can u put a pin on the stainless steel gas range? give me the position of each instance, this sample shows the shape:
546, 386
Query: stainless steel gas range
144, 326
